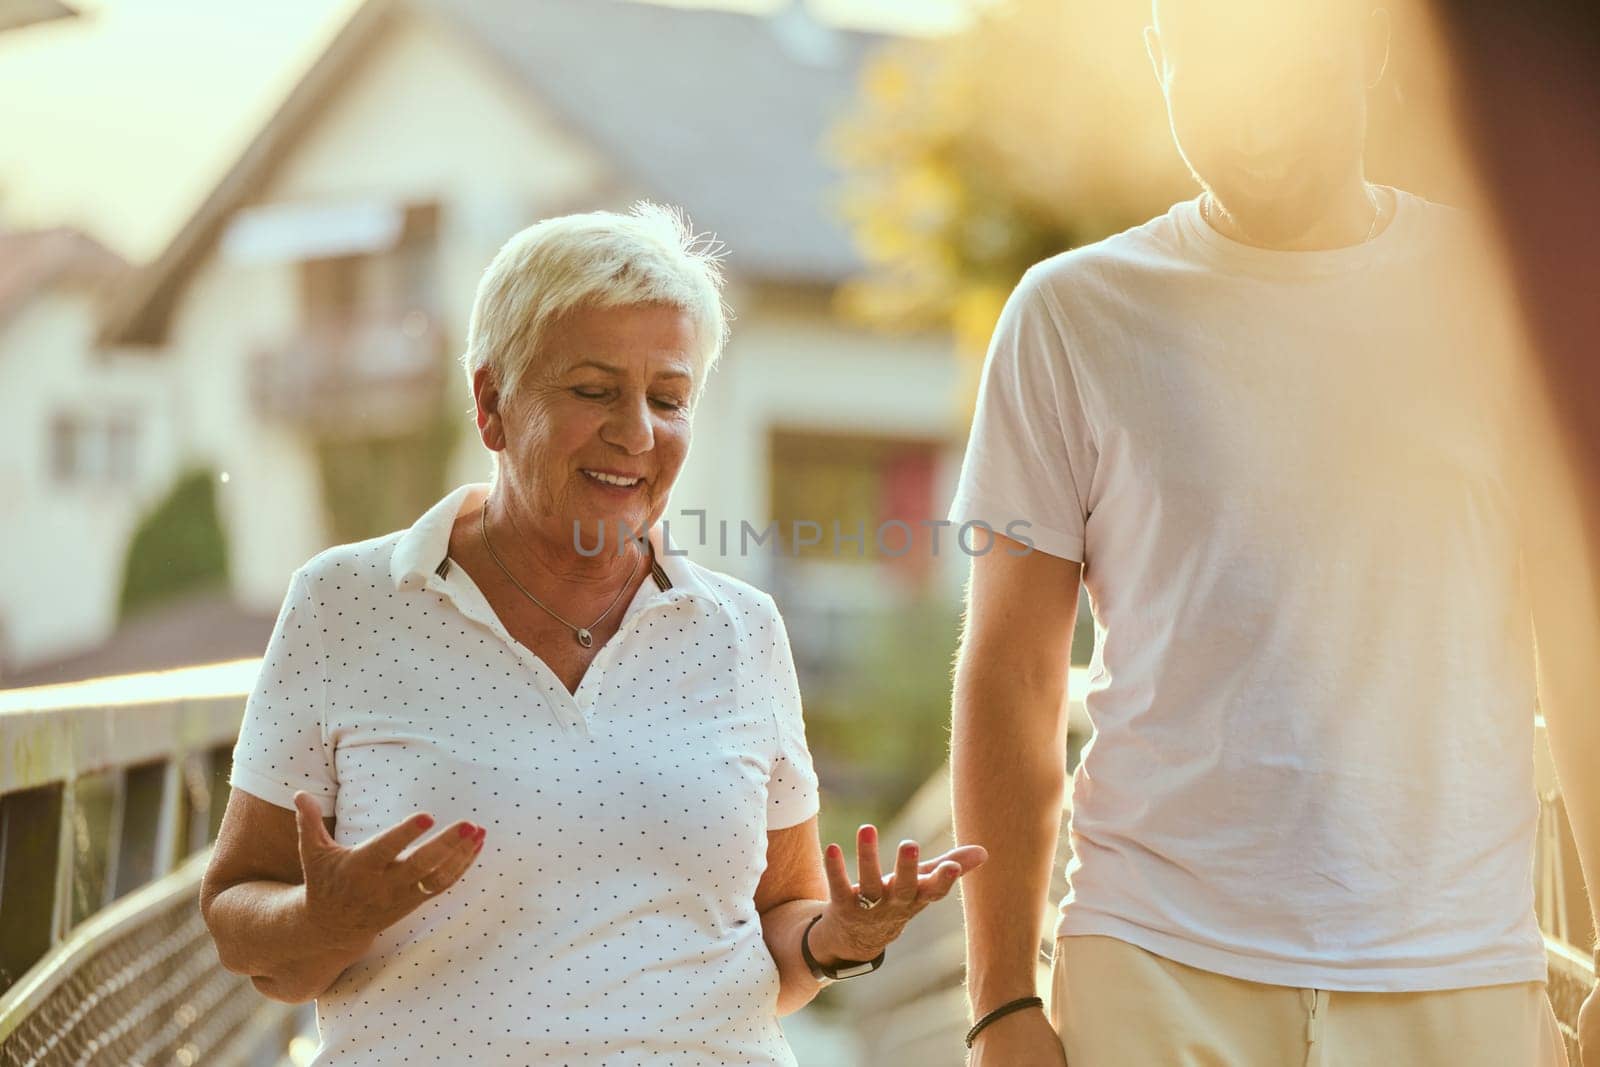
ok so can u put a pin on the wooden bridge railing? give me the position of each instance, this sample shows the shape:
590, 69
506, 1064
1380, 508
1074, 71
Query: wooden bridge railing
111, 792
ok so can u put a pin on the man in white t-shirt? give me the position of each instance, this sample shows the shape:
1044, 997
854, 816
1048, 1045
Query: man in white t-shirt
1273, 433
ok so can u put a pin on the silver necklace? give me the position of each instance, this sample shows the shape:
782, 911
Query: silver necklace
582, 633
1372, 198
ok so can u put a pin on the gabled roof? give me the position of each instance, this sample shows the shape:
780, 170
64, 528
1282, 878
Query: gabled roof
142, 310
722, 113
34, 260
14, 14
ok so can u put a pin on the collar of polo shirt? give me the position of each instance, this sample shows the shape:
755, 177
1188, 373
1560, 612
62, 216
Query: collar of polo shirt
422, 548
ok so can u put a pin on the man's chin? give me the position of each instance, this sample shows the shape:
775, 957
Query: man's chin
1274, 208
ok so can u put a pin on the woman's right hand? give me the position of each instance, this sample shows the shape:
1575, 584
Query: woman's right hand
354, 894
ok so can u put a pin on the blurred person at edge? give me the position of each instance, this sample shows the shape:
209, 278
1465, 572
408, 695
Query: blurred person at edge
1285, 437
1528, 80
628, 864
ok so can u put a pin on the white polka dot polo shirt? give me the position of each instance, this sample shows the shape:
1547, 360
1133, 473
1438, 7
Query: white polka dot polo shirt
610, 918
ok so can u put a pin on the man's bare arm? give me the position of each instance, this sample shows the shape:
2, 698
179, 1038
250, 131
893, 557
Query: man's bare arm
1008, 763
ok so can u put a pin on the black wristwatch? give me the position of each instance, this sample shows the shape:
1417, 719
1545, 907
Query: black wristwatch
845, 969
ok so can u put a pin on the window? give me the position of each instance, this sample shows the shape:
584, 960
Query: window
100, 449
339, 291
330, 290
882, 487
65, 445
122, 441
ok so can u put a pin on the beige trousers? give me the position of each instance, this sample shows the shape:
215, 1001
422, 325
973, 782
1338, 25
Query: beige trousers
1116, 1005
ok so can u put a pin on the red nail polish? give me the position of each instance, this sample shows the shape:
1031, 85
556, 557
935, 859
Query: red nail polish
483, 832
466, 829
424, 822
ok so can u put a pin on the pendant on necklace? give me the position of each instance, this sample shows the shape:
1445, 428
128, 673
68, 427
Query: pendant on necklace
585, 638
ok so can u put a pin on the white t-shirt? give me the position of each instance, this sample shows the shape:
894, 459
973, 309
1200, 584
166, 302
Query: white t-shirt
1287, 476
611, 915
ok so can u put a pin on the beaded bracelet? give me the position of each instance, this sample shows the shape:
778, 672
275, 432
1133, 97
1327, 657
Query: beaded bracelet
1001, 1012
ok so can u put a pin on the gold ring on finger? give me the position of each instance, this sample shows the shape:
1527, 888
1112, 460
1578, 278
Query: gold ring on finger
424, 890
866, 904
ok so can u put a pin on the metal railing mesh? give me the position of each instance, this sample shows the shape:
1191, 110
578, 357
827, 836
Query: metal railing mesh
153, 994
1569, 984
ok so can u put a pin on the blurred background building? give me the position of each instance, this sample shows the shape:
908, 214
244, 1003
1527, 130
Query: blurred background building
290, 348
199, 390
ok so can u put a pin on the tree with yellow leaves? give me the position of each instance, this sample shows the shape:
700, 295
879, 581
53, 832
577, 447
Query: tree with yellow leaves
970, 158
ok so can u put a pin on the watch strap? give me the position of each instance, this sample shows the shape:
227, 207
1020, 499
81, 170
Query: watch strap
844, 969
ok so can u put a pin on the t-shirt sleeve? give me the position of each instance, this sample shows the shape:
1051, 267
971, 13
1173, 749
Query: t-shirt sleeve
1031, 458
282, 745
792, 796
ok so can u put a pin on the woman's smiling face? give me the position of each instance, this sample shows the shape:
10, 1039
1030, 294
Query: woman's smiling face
599, 425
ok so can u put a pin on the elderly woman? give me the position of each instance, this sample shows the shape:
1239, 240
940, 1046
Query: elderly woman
499, 797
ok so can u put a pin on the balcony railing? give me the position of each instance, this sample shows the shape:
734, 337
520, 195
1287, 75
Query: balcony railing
110, 796
915, 1011
369, 378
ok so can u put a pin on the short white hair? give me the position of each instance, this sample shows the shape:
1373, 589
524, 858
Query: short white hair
601, 259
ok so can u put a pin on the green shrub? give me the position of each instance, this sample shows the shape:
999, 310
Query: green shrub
178, 548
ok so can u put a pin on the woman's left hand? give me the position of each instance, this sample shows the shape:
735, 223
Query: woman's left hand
851, 931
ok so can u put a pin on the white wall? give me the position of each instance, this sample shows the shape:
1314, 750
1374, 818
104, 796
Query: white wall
64, 544
268, 504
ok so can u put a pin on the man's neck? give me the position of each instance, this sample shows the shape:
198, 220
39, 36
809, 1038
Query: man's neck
1356, 216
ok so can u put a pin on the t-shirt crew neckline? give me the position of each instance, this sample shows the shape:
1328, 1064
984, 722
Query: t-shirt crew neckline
1276, 263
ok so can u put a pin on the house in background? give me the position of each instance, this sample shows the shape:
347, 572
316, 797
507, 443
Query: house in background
297, 336
85, 446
